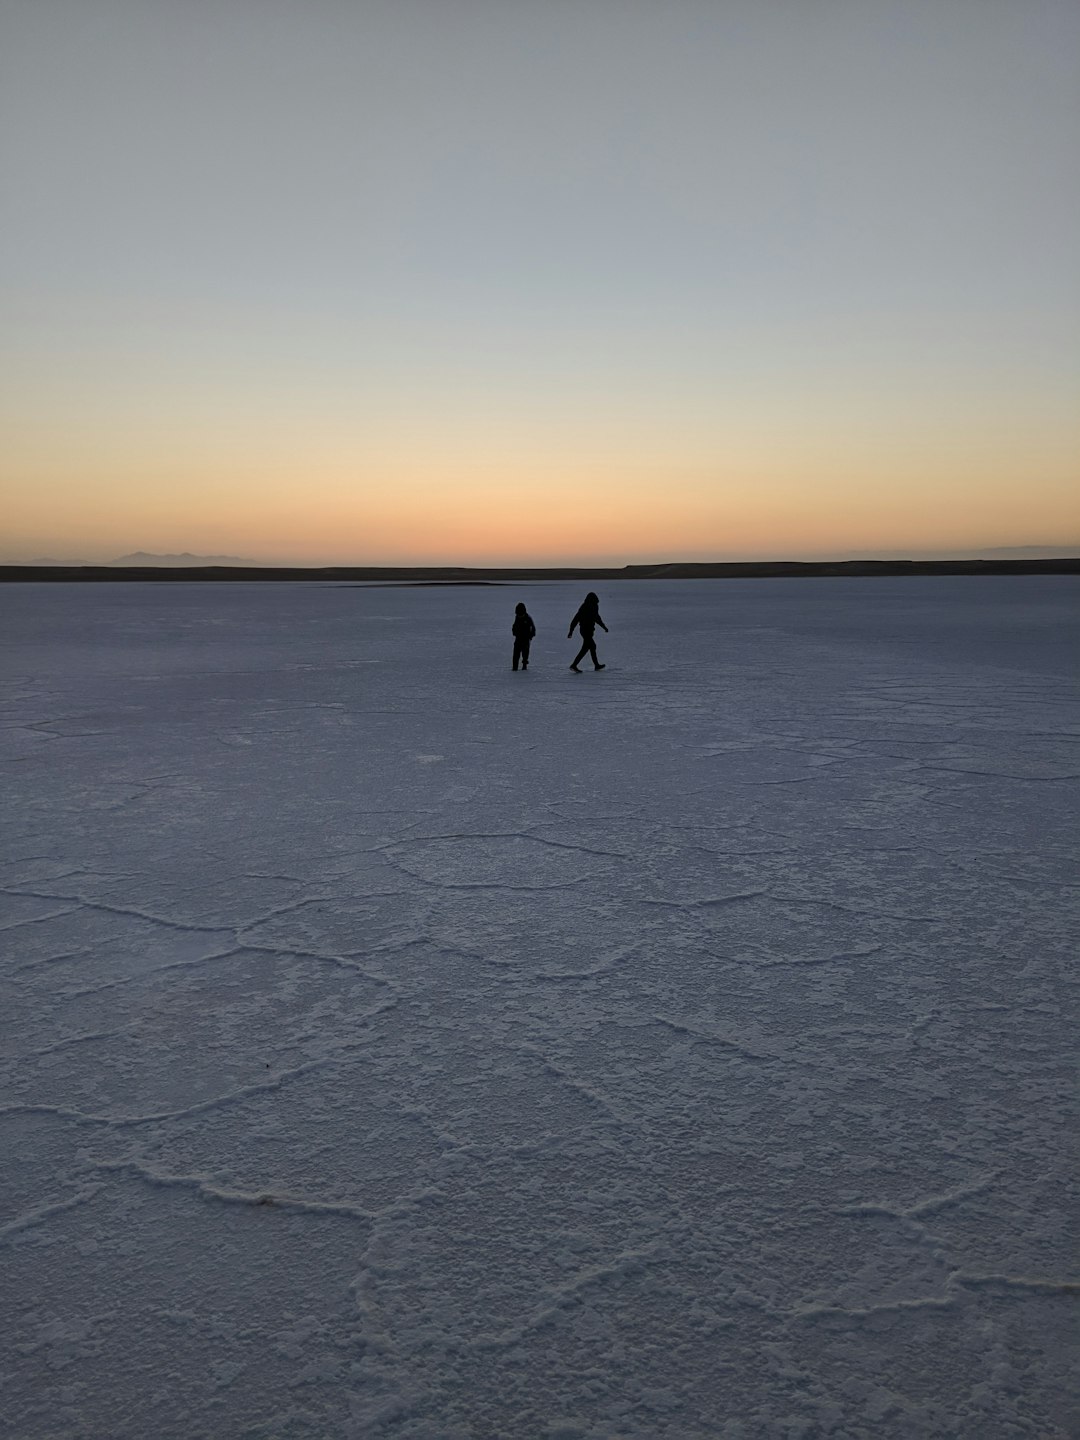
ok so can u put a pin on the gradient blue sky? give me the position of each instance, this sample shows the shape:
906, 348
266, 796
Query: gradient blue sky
539, 281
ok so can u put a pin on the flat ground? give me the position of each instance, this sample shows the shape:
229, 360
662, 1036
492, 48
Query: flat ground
396, 1045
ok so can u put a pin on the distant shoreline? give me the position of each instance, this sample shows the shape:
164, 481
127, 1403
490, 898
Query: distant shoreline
467, 575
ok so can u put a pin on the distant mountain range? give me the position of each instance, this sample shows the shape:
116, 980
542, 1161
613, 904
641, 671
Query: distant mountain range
144, 557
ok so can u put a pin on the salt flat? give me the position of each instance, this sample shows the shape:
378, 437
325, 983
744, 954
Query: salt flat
396, 1045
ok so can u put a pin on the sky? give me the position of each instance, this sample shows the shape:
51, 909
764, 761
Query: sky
551, 281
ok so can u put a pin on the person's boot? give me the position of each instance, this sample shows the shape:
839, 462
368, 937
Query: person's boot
575, 669
598, 666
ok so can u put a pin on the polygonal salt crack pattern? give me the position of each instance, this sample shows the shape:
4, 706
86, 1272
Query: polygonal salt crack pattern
394, 1045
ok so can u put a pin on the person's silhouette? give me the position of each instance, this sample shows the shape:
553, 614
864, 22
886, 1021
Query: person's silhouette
586, 621
523, 631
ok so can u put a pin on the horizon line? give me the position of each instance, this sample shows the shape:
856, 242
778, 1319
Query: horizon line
466, 574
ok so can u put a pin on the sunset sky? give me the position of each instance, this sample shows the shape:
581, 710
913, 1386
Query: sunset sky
539, 281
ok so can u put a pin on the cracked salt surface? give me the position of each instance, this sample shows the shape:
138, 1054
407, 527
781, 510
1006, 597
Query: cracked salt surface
395, 1045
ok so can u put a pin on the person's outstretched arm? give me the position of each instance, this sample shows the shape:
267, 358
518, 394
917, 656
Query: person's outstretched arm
601, 624
573, 625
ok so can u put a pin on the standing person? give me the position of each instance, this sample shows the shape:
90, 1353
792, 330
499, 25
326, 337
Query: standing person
586, 621
523, 630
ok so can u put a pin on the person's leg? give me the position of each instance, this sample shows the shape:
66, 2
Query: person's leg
593, 654
517, 652
525, 654
581, 654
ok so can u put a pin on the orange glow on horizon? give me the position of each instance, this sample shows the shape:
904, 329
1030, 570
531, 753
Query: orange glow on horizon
583, 494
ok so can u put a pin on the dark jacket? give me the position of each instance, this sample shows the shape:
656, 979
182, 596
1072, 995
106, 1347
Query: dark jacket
586, 620
523, 627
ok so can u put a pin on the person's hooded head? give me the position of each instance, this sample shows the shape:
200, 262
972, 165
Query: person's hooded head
592, 600
519, 608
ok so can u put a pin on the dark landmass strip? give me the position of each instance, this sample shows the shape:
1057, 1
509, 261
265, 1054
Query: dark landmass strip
463, 575
412, 584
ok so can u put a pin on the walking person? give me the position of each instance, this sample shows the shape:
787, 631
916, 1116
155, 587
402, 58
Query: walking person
523, 631
586, 621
